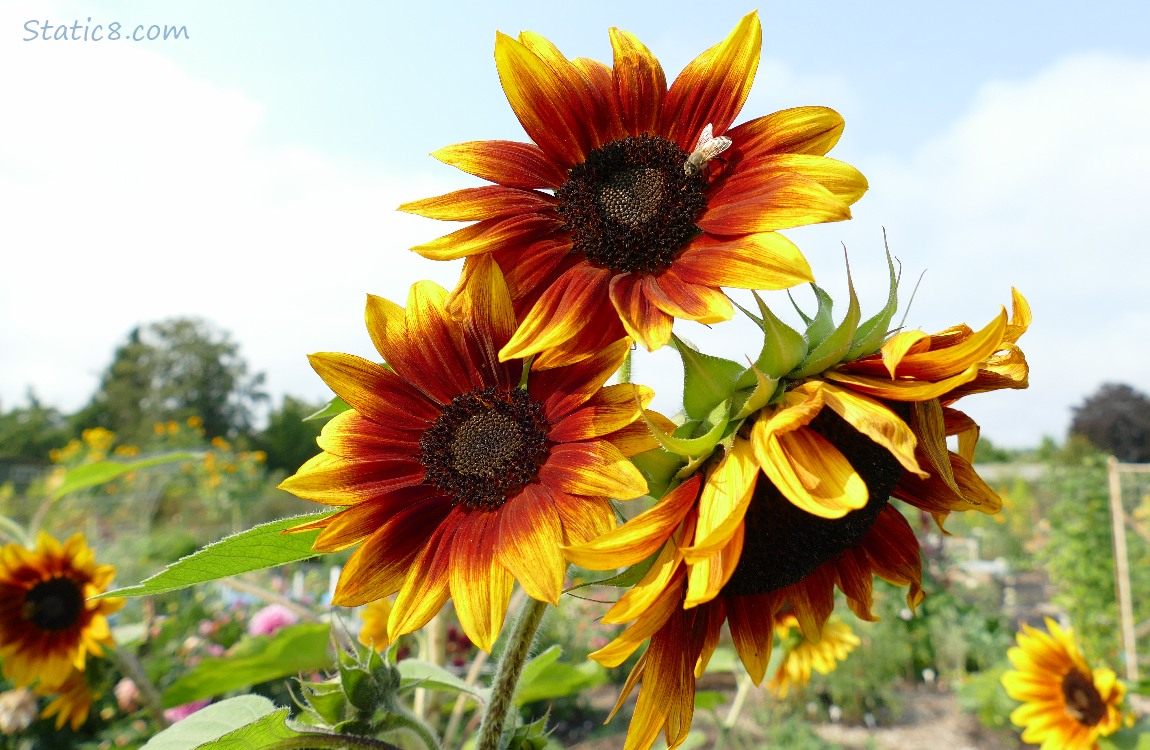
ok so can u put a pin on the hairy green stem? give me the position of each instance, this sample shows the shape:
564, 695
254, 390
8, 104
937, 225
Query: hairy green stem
325, 740
507, 676
419, 729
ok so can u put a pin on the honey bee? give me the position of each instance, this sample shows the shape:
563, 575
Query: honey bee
706, 149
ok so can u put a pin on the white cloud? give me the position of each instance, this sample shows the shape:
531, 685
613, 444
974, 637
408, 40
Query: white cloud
133, 193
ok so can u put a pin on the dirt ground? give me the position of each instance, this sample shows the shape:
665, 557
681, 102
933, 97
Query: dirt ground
929, 721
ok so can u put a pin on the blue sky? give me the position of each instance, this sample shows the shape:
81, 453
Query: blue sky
249, 174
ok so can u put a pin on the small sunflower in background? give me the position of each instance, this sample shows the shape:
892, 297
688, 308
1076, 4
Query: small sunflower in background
70, 703
801, 657
1065, 704
373, 633
49, 623
637, 201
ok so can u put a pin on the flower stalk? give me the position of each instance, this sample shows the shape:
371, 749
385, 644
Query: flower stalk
507, 675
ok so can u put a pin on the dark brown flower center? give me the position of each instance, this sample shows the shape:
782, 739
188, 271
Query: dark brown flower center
485, 446
1083, 701
54, 604
630, 207
784, 544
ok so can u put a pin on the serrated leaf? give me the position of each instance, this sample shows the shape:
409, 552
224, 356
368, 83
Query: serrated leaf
260, 547
424, 674
210, 725
783, 348
294, 649
871, 334
102, 472
707, 380
834, 347
336, 406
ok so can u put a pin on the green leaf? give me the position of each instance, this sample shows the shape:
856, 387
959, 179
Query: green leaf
709, 700
832, 349
102, 472
263, 546
707, 381
1134, 738
871, 334
294, 649
336, 406
546, 678
424, 674
783, 348
211, 725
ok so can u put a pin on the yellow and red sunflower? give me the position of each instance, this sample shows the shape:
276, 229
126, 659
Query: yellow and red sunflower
49, 624
605, 225
1065, 704
456, 480
796, 505
70, 702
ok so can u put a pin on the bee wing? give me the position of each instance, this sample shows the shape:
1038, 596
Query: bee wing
714, 147
706, 137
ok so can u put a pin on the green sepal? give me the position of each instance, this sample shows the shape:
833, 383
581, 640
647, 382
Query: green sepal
750, 400
707, 380
832, 349
783, 347
696, 446
659, 468
822, 324
870, 335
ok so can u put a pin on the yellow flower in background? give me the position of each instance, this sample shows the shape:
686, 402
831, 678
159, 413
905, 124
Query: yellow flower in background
49, 624
802, 656
454, 480
1065, 705
70, 703
373, 634
613, 221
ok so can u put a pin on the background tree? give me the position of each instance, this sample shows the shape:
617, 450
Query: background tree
288, 440
1116, 419
172, 370
31, 431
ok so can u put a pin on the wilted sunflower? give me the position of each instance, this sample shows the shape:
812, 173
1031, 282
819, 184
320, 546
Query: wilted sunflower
71, 702
49, 624
456, 480
1065, 705
612, 221
803, 656
795, 504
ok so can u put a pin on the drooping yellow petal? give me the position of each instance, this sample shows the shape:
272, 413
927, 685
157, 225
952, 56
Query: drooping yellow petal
809, 471
875, 421
724, 501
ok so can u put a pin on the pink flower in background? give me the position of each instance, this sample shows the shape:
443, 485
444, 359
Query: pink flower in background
270, 619
127, 695
182, 712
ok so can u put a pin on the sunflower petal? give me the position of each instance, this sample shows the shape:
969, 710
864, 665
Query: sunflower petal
425, 589
800, 130
714, 86
640, 84
764, 201
560, 313
371, 389
592, 468
507, 163
476, 204
480, 585
877, 422
684, 299
530, 535
490, 234
633, 298
765, 260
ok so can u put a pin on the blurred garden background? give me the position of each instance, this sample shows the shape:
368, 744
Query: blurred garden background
178, 405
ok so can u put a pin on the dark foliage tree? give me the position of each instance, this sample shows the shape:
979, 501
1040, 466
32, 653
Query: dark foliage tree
1116, 419
172, 370
31, 431
288, 440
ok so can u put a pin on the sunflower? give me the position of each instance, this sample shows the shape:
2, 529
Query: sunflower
804, 656
49, 623
373, 634
794, 504
1065, 705
611, 222
456, 479
71, 702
